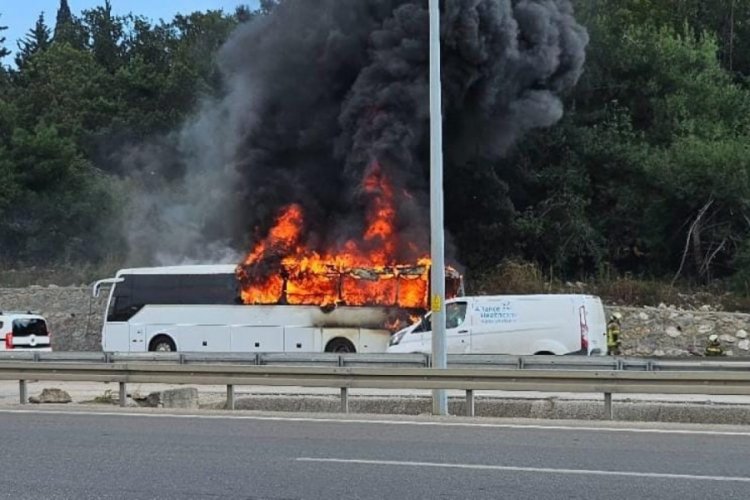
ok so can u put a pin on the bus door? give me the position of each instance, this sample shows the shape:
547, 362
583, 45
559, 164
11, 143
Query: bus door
138, 338
115, 337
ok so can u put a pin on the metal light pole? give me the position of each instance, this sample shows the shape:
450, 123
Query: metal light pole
437, 277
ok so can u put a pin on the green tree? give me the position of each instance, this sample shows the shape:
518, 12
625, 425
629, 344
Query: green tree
7, 167
726, 21
243, 14
200, 36
59, 208
638, 173
170, 66
66, 88
68, 28
266, 6
4, 52
107, 34
36, 40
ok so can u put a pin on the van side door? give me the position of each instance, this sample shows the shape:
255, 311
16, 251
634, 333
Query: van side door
457, 328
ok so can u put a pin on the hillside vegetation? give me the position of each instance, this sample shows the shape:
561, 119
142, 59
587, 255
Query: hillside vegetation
646, 179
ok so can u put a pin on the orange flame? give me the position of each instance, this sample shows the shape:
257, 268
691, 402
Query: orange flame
281, 269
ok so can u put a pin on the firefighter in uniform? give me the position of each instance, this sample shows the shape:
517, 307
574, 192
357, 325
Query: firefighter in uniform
613, 334
713, 348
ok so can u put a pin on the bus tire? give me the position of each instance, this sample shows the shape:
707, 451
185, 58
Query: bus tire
162, 343
340, 345
544, 353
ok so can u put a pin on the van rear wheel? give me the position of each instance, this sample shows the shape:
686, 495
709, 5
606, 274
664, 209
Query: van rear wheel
162, 343
340, 345
544, 353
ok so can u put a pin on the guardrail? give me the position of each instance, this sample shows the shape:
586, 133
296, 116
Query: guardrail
345, 378
494, 361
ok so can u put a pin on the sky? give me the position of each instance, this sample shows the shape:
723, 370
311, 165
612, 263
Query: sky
20, 15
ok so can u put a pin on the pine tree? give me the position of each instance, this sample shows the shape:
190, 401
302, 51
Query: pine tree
35, 41
68, 29
64, 18
107, 34
4, 52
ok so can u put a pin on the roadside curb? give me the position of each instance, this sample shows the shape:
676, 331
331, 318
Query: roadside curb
544, 409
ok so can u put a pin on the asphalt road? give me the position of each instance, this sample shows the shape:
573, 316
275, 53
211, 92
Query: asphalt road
77, 456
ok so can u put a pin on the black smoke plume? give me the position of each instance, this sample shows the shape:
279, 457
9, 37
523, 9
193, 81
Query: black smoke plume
321, 93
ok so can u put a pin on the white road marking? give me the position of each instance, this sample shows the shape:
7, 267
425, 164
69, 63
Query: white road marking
424, 423
509, 468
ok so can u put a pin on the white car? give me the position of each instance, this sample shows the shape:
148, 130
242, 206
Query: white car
23, 332
513, 324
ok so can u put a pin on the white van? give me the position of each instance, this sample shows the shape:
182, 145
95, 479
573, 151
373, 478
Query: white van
514, 324
21, 331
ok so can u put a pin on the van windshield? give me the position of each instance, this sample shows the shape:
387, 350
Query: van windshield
29, 326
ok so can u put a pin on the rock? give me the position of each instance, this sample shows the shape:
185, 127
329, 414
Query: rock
727, 338
57, 396
643, 316
662, 305
705, 328
677, 353
705, 308
744, 345
729, 352
673, 332
184, 397
741, 334
659, 353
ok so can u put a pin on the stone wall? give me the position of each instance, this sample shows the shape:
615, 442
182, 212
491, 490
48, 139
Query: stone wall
664, 331
73, 316
75, 320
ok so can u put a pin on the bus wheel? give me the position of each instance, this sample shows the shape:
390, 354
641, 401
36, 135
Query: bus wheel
340, 345
162, 343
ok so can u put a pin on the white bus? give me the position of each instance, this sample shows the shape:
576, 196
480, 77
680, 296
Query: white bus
198, 309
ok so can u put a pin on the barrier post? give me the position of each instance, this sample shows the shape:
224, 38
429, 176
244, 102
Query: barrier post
608, 405
230, 397
469, 402
22, 389
344, 400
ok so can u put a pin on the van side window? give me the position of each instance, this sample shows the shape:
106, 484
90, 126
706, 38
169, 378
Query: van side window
425, 325
455, 314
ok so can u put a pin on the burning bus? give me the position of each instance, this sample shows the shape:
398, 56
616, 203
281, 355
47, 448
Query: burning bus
291, 293
206, 309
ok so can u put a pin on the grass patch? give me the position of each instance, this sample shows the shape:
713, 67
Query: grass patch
69, 275
514, 277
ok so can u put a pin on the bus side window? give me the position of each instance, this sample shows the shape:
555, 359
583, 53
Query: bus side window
208, 289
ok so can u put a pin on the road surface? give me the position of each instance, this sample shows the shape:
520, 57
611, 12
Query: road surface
80, 454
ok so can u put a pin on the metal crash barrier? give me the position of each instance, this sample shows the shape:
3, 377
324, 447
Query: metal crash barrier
467, 373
